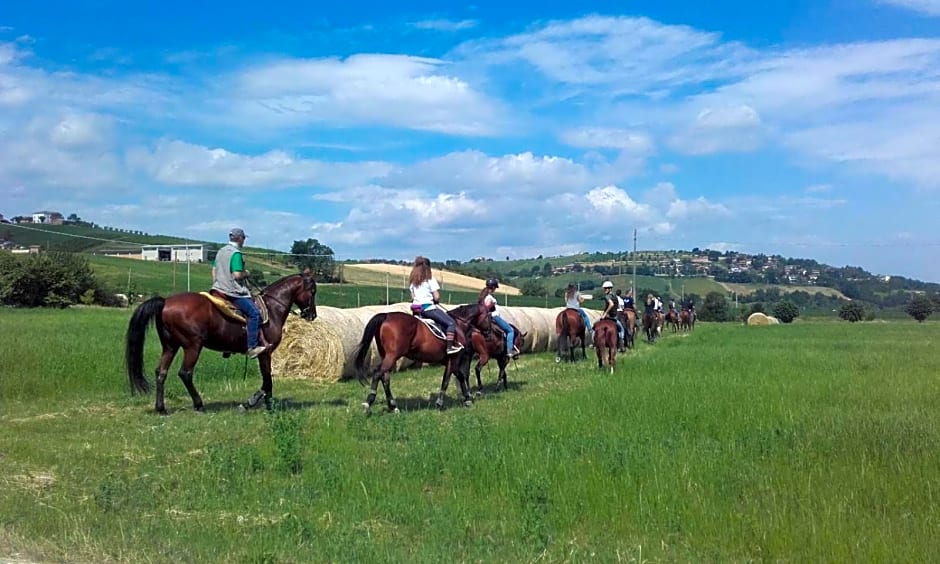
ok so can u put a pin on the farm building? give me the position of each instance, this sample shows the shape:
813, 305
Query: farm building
175, 253
48, 217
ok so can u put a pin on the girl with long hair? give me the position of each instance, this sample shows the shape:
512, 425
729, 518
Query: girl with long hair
426, 297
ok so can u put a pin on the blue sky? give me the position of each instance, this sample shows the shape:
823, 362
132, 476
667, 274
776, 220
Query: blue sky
499, 129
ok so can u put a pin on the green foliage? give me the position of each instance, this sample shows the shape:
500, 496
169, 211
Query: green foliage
852, 312
46, 280
756, 307
920, 307
319, 259
286, 426
533, 287
786, 311
715, 308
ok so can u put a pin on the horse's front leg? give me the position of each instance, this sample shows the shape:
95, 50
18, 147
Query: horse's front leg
445, 382
484, 358
267, 385
463, 378
502, 362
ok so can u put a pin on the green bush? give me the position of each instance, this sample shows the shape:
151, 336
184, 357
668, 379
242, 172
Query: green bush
920, 307
47, 280
852, 312
786, 311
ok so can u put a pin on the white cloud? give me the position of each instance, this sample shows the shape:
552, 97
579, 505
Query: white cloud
626, 54
818, 188
608, 138
396, 90
185, 164
927, 7
445, 25
700, 208
730, 128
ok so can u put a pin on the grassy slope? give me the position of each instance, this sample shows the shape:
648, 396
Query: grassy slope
815, 448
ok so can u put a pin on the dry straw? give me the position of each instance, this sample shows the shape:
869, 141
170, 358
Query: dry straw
324, 350
761, 319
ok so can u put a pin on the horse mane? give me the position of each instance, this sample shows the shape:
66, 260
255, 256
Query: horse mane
466, 311
278, 283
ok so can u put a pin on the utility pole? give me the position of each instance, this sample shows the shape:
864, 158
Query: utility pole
634, 262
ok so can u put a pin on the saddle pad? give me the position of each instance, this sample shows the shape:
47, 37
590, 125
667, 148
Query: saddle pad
230, 311
435, 329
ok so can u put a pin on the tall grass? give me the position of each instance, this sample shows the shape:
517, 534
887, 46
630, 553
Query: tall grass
810, 442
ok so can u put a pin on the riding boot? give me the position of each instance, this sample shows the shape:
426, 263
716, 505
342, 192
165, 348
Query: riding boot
452, 346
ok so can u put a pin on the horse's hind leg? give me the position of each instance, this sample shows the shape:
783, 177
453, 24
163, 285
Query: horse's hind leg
445, 382
190, 356
166, 359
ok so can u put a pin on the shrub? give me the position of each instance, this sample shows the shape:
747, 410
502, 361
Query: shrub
46, 280
715, 308
786, 311
920, 307
852, 312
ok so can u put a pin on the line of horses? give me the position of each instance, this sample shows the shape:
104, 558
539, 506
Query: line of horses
571, 332
191, 322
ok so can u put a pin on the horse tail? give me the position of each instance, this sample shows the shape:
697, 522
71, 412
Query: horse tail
151, 311
371, 332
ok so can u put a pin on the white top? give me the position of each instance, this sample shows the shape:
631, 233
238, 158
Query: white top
423, 294
619, 303
574, 301
658, 304
491, 300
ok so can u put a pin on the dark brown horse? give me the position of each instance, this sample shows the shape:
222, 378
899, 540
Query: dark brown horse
651, 321
605, 341
569, 328
191, 322
628, 318
672, 318
494, 346
401, 335
685, 320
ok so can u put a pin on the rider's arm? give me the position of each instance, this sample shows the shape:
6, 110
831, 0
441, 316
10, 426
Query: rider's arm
238, 267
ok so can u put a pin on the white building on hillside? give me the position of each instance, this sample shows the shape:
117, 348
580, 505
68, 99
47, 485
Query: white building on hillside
175, 253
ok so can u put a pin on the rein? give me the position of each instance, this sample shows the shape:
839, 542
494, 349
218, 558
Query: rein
265, 296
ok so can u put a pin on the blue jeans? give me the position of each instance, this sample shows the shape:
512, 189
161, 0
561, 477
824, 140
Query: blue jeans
247, 306
620, 330
587, 320
442, 318
510, 334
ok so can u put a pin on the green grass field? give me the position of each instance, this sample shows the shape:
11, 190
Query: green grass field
810, 442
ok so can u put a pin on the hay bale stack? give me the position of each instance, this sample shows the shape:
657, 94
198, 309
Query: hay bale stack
773, 320
325, 349
758, 319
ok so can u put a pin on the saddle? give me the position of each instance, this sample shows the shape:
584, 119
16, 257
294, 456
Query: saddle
432, 325
228, 309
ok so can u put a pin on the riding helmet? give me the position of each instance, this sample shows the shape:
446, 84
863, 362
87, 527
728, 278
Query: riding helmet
492, 283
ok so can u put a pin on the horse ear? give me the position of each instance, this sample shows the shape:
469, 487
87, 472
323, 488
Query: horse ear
525, 333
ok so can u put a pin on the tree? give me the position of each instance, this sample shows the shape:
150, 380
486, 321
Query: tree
757, 307
715, 308
73, 218
317, 256
786, 311
852, 312
920, 307
48, 280
533, 288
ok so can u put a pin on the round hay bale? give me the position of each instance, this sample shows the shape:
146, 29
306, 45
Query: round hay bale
758, 319
773, 320
319, 350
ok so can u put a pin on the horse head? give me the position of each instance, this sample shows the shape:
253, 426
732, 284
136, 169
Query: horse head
306, 295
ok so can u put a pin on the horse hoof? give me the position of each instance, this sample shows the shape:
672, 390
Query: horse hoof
557, 359
396, 411
366, 407
201, 410
468, 403
162, 412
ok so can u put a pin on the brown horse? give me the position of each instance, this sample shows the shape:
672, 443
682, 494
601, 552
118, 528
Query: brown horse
494, 347
628, 318
190, 321
685, 320
569, 327
399, 335
650, 324
672, 318
605, 340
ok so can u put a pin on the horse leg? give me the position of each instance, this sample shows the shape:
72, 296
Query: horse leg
501, 362
190, 356
478, 369
584, 344
463, 378
599, 349
612, 358
445, 382
387, 386
166, 359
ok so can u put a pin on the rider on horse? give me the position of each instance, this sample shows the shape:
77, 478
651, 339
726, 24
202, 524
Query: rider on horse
610, 307
426, 297
488, 300
628, 301
573, 300
229, 277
